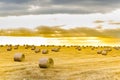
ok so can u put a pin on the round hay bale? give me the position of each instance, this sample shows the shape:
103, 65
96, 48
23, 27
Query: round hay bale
16, 46
109, 49
1, 46
33, 48
45, 51
10, 45
92, 48
37, 50
26, 46
19, 57
79, 49
99, 52
104, 52
9, 48
46, 62
55, 49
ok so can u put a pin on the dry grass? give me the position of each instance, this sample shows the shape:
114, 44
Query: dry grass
70, 64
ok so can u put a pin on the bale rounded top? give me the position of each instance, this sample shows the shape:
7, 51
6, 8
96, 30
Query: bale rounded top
45, 51
19, 57
55, 49
37, 50
99, 51
9, 48
104, 52
46, 62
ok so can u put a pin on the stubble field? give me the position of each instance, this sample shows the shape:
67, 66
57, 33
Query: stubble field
69, 64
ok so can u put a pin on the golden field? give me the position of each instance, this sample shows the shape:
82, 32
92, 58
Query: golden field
69, 64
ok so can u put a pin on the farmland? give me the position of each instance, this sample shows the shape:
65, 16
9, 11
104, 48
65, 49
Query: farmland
69, 64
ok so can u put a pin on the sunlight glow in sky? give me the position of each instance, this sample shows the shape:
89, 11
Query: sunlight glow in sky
80, 41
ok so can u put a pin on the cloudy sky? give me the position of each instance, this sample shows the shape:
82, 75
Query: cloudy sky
99, 14
25, 7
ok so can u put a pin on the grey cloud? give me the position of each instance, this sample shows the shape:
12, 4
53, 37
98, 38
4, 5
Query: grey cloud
15, 1
21, 7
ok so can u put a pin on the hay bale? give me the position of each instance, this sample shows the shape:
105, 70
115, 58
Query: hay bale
46, 62
79, 49
45, 51
16, 46
26, 46
9, 48
99, 51
109, 49
55, 49
116, 48
37, 50
19, 57
104, 52
10, 45
1, 46
33, 48
92, 48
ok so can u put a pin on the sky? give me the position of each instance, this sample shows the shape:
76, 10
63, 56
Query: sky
68, 14
26, 7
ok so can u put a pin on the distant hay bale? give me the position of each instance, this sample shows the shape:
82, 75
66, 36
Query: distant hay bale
26, 46
1, 46
63, 46
104, 52
16, 46
47, 45
92, 48
78, 48
99, 51
109, 49
116, 48
10, 45
46, 62
68, 46
37, 50
55, 49
33, 48
19, 57
45, 51
9, 48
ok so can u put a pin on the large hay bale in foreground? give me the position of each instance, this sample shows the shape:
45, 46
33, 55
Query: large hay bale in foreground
46, 62
19, 57
45, 51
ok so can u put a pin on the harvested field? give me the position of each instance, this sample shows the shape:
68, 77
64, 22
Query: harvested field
69, 64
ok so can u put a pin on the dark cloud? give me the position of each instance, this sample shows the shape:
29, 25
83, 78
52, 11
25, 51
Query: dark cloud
22, 7
15, 1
